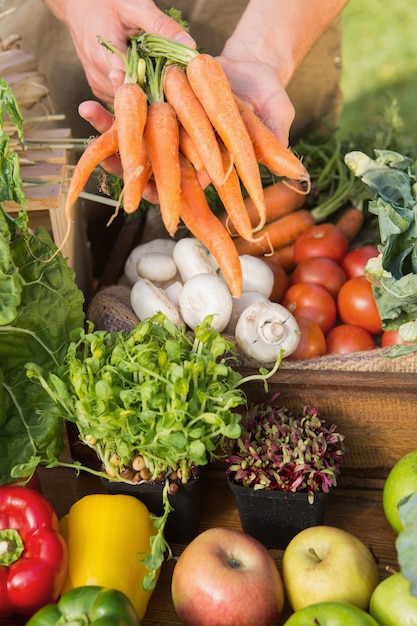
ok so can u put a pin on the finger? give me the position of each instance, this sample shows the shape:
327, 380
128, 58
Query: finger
155, 21
95, 114
278, 114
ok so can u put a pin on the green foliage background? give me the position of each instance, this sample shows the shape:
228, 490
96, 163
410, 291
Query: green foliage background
380, 63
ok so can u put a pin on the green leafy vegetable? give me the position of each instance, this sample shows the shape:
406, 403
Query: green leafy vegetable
160, 392
40, 304
406, 542
392, 180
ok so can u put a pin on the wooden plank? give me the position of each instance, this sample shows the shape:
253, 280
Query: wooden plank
358, 511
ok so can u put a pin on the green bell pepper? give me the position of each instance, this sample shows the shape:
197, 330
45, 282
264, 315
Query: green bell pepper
86, 605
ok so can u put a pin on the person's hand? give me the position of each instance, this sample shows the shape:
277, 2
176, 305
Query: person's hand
116, 21
259, 85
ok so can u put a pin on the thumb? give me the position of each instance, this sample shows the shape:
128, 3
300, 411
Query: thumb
155, 21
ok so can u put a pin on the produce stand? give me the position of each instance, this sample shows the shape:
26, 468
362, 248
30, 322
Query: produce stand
357, 510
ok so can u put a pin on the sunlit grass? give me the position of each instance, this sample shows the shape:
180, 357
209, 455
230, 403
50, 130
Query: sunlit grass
380, 63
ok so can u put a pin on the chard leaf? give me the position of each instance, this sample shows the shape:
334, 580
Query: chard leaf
406, 542
391, 178
37, 327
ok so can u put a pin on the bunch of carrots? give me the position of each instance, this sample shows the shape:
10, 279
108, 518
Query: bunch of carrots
178, 124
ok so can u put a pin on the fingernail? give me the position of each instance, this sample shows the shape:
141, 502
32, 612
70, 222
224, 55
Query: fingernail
185, 39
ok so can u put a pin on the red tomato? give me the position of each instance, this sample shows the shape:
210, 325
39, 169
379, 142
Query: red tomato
311, 301
321, 240
312, 341
280, 280
319, 270
354, 262
392, 338
356, 305
347, 338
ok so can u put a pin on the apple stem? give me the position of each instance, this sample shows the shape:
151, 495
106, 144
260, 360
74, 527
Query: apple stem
390, 569
314, 553
234, 562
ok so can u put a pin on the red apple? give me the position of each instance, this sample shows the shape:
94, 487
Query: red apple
331, 614
226, 577
324, 563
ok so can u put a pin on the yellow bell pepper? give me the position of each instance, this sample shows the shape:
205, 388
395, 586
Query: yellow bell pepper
107, 536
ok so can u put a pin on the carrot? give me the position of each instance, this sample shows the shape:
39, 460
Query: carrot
280, 199
193, 118
230, 193
189, 150
350, 222
276, 234
284, 257
210, 84
162, 139
203, 224
130, 111
101, 148
139, 181
280, 160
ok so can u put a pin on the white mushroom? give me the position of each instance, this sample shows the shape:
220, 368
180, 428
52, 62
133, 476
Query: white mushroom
202, 295
165, 246
147, 299
239, 305
192, 257
157, 267
256, 275
173, 292
266, 328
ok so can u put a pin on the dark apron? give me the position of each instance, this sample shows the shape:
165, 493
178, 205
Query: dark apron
314, 90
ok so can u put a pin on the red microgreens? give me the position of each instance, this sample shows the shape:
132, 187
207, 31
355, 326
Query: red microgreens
277, 450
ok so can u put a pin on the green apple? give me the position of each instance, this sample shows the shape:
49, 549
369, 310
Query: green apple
392, 603
331, 614
400, 482
328, 564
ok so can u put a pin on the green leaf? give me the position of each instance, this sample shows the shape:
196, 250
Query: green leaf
9, 105
406, 542
50, 306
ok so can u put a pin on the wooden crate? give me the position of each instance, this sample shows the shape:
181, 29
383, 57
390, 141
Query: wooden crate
46, 169
376, 411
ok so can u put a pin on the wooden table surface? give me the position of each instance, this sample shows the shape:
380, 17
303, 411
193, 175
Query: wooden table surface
358, 511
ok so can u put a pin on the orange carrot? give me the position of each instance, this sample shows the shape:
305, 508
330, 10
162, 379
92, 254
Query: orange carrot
162, 139
276, 234
212, 88
204, 225
284, 257
280, 160
139, 181
280, 199
101, 148
130, 110
230, 193
192, 116
350, 222
189, 150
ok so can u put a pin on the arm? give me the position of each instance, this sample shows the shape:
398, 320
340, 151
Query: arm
116, 21
267, 46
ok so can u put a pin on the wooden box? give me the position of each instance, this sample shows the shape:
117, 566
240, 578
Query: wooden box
376, 411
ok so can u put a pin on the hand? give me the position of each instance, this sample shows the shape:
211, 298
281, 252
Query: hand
116, 21
259, 85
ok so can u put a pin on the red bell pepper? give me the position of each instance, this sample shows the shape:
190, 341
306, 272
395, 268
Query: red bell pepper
33, 554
